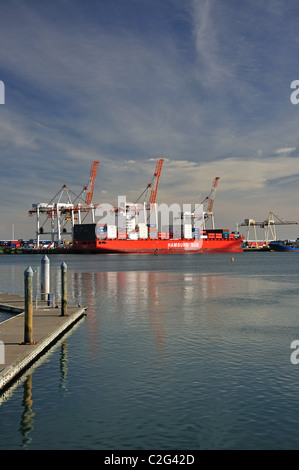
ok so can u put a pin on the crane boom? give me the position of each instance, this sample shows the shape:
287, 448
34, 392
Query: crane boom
212, 195
269, 221
157, 175
92, 178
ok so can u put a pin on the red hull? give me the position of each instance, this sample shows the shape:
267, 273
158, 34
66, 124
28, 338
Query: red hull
160, 246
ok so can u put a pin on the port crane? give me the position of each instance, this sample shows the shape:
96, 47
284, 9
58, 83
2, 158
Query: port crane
63, 209
208, 203
89, 189
151, 205
155, 183
150, 192
149, 195
268, 225
145, 205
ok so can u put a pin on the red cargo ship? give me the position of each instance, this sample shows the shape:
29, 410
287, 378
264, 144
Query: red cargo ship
209, 241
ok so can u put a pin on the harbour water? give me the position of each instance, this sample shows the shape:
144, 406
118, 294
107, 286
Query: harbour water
5, 315
176, 352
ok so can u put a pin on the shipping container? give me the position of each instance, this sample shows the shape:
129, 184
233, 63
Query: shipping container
187, 234
163, 235
196, 233
84, 232
111, 231
133, 236
122, 234
143, 233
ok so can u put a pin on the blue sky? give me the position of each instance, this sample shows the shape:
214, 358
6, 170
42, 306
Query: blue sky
204, 84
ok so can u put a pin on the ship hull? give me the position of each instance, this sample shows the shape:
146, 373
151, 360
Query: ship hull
213, 241
160, 246
277, 246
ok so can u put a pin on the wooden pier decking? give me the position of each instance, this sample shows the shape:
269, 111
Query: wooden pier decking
48, 326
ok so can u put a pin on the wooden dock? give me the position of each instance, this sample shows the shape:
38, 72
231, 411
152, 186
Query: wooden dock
48, 327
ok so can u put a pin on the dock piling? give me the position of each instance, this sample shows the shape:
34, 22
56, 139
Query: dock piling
45, 278
63, 289
28, 307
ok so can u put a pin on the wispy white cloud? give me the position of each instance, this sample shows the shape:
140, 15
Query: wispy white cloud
285, 150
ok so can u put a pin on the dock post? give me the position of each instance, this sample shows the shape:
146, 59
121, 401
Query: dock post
63, 289
28, 288
45, 278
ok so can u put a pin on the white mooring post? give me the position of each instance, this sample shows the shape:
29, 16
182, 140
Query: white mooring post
45, 278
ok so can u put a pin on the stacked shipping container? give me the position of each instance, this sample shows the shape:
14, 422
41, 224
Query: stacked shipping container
144, 231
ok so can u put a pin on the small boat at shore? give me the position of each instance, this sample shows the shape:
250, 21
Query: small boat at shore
284, 246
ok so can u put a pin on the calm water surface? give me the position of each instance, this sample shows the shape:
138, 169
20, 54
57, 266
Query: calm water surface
176, 352
5, 315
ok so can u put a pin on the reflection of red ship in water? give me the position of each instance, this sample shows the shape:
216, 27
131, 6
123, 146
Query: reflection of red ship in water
145, 307
133, 298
